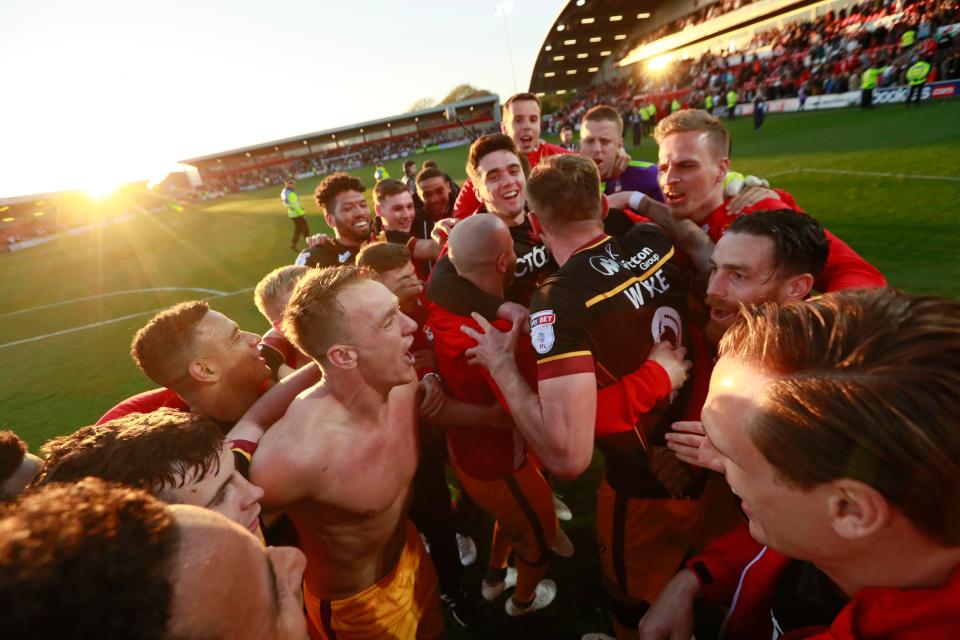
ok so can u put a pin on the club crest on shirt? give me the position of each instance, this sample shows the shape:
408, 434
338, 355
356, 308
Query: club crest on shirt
541, 330
666, 326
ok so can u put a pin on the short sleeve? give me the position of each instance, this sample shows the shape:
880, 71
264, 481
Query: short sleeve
559, 333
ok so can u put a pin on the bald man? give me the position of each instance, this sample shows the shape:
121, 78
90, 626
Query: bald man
492, 464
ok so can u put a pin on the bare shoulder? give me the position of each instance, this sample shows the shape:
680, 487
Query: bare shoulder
295, 449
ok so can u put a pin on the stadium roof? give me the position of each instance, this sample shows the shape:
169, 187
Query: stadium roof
582, 38
404, 118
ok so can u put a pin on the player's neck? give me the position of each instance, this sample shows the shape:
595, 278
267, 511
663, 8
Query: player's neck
347, 242
487, 280
708, 206
565, 244
906, 561
220, 401
363, 402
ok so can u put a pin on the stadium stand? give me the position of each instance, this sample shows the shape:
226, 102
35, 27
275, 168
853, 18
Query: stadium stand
804, 57
345, 148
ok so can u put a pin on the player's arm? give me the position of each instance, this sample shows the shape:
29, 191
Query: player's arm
271, 406
422, 249
689, 238
467, 202
559, 422
446, 411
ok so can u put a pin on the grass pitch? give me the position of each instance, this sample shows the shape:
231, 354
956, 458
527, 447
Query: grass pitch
886, 181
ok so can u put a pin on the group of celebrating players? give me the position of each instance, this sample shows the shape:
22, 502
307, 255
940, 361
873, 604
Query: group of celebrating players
787, 459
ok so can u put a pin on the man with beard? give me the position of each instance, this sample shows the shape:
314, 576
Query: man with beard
345, 209
367, 571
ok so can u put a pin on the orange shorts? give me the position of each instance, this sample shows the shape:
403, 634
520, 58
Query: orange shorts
522, 504
402, 605
643, 542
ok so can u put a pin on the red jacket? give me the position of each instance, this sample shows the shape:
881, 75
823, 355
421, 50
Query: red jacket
845, 269
145, 403
468, 202
736, 571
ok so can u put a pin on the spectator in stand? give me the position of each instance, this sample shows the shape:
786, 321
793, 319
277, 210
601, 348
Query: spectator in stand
409, 176
566, 138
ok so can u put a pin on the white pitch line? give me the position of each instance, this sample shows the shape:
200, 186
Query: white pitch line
214, 292
101, 323
872, 174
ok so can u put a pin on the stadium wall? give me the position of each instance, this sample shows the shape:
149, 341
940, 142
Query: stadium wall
883, 95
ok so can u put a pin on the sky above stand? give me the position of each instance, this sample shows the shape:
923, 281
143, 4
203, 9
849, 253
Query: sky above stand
98, 93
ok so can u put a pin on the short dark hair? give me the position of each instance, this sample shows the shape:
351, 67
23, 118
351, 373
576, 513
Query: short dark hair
485, 145
409, 163
383, 256
799, 243
864, 387
604, 113
566, 127
564, 189
313, 316
150, 451
87, 560
12, 452
429, 172
333, 185
517, 97
162, 348
387, 188
427, 164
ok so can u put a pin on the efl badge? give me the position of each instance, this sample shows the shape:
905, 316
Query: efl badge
541, 330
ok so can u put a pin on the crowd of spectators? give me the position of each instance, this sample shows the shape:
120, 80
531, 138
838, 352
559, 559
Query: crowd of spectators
339, 158
806, 58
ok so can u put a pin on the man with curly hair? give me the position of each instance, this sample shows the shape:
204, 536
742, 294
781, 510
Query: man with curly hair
95, 560
346, 211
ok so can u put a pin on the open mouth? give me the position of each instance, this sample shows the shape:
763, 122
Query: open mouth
510, 196
526, 140
721, 315
408, 357
255, 523
363, 225
674, 197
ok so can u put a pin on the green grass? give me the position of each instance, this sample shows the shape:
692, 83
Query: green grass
907, 227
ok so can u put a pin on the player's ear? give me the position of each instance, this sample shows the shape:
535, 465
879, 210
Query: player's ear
796, 287
856, 509
503, 126
723, 165
376, 208
343, 356
328, 217
202, 370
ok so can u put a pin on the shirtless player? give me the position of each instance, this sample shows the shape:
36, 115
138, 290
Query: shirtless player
340, 462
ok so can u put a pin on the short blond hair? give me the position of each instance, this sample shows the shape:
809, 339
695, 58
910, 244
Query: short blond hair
695, 120
279, 281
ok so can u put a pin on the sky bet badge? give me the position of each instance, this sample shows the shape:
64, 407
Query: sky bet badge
541, 330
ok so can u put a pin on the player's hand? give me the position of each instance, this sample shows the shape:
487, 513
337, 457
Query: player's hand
749, 196
621, 162
514, 312
689, 443
672, 359
409, 289
673, 474
494, 348
433, 397
441, 230
671, 616
318, 239
619, 200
